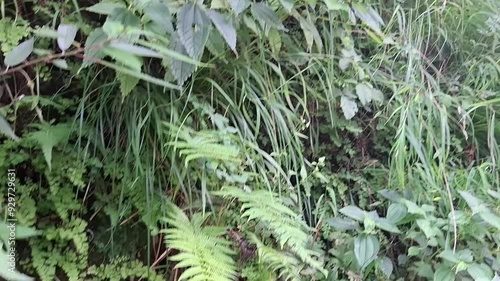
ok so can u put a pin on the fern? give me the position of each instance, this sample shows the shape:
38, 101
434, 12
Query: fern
288, 228
206, 256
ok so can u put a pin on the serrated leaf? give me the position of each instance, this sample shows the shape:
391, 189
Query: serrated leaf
490, 218
125, 58
335, 5
385, 265
216, 44
181, 71
8, 273
127, 82
349, 107
396, 212
473, 202
62, 64
19, 53
444, 273
105, 8
366, 248
134, 49
353, 212
342, 224
67, 34
93, 46
5, 129
159, 14
266, 16
239, 6
480, 272
193, 29
49, 136
364, 93
225, 28
287, 4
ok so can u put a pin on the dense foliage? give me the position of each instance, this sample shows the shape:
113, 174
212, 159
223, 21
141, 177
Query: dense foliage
250, 140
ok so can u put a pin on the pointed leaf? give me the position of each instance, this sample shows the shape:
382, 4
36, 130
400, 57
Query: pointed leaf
444, 273
366, 248
287, 4
343, 224
396, 212
134, 49
473, 202
480, 272
369, 16
349, 107
490, 218
19, 53
5, 129
386, 225
336, 5
67, 34
125, 58
46, 32
180, 70
225, 27
239, 6
62, 64
193, 29
266, 16
385, 265
127, 82
353, 212
93, 46
49, 136
158, 12
104, 8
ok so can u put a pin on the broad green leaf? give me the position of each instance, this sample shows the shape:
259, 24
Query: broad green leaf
366, 248
287, 4
19, 53
391, 195
62, 64
5, 129
353, 212
310, 31
113, 28
480, 272
275, 41
93, 46
67, 34
134, 49
127, 82
125, 58
369, 16
364, 93
396, 212
125, 17
336, 5
490, 218
349, 107
225, 27
385, 265
413, 208
239, 6
158, 12
216, 44
193, 29
471, 200
180, 70
460, 256
444, 273
49, 136
105, 8
386, 225
266, 16
342, 224
22, 232
120, 22
7, 271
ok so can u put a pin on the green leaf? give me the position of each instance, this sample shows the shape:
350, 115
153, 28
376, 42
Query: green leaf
125, 17
480, 272
335, 5
93, 46
490, 218
46, 32
125, 58
287, 4
225, 27
342, 224
353, 212
127, 82
67, 34
369, 16
386, 225
266, 16
105, 8
444, 273
367, 94
19, 53
134, 49
62, 64
7, 270
311, 33
22, 232
193, 29
349, 107
396, 212
49, 136
366, 248
385, 265
239, 6
158, 12
5, 129
180, 70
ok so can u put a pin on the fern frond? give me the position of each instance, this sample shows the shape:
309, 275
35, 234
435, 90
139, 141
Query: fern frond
204, 255
287, 226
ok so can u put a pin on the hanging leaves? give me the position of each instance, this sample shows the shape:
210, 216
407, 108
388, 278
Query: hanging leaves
225, 28
181, 70
239, 6
66, 35
193, 29
19, 53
